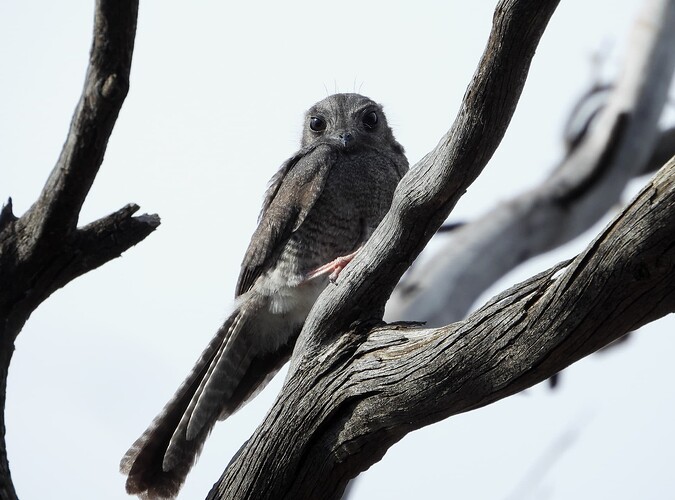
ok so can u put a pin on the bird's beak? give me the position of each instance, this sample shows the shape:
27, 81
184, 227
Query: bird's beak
345, 137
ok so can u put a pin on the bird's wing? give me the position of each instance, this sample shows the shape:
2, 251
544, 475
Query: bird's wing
292, 193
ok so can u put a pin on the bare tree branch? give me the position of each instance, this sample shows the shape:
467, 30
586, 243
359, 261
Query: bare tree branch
623, 142
421, 203
426, 195
106, 86
43, 250
341, 410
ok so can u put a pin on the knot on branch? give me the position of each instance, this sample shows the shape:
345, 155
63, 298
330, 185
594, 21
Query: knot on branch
114, 87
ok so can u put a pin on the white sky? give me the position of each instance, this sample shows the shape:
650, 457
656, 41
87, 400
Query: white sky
216, 102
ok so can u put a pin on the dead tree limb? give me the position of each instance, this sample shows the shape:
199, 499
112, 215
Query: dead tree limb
43, 250
344, 406
297, 459
623, 142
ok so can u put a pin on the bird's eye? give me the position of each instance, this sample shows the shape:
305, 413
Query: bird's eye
317, 124
370, 120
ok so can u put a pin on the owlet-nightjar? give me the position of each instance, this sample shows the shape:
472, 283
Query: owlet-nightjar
321, 206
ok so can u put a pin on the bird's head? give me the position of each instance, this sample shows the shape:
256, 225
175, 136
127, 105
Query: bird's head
349, 121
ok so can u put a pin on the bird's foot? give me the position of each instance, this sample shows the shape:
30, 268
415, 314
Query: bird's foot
333, 268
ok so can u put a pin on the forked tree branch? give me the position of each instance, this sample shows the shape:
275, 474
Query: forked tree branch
43, 250
105, 88
341, 411
296, 459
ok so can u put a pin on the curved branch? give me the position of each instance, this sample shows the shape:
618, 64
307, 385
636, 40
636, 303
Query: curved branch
340, 412
106, 86
431, 189
421, 203
623, 142
43, 250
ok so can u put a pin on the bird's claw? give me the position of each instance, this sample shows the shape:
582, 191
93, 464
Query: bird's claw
333, 268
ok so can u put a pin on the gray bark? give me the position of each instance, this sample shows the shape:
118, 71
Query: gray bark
304, 455
357, 385
355, 396
623, 141
43, 250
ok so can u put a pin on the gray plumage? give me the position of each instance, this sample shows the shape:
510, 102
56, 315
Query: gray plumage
323, 203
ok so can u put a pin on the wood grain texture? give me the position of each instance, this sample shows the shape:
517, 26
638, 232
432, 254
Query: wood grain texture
622, 142
43, 250
332, 419
344, 407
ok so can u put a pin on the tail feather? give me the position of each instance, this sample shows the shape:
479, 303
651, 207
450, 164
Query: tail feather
143, 463
230, 371
235, 355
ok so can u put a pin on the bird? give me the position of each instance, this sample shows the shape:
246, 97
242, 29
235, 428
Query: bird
320, 207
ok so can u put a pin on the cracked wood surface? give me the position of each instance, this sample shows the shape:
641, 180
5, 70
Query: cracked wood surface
359, 395
43, 250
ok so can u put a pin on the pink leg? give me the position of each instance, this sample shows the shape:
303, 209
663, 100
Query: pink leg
334, 267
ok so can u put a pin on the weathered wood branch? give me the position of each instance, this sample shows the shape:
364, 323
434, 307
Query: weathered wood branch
341, 411
105, 88
43, 250
40, 251
272, 466
365, 396
623, 142
426, 195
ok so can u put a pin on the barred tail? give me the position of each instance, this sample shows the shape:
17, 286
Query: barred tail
230, 370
